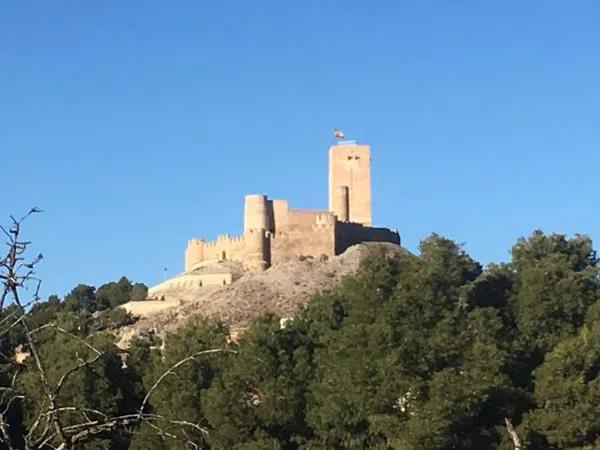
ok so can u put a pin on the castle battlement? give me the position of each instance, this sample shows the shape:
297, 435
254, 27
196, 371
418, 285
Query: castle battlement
274, 233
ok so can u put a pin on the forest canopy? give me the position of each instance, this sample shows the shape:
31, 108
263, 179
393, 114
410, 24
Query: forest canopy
420, 352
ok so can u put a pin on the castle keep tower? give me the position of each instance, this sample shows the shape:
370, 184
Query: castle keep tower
350, 182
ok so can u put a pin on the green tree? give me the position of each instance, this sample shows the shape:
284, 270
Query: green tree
408, 362
259, 401
427, 351
87, 376
114, 293
557, 280
178, 398
139, 291
567, 392
45, 312
82, 298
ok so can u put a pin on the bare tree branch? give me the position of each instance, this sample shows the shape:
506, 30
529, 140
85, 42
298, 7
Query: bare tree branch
47, 430
513, 434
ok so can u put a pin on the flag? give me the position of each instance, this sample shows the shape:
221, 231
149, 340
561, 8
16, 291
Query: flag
338, 133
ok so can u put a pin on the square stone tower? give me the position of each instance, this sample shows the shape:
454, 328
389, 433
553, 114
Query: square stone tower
350, 182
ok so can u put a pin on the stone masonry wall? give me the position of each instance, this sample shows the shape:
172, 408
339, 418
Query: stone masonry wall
191, 281
224, 247
306, 232
293, 242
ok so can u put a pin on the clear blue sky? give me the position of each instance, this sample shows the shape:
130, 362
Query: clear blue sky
136, 125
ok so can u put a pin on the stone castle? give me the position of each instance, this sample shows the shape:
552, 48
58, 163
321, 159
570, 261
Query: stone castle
274, 232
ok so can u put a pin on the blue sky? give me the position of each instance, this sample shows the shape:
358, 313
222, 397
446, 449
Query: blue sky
137, 125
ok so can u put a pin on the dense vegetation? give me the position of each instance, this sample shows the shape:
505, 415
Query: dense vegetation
413, 352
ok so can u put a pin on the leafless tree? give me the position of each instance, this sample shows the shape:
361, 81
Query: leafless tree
49, 431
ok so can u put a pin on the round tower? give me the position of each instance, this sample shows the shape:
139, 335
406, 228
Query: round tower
256, 224
255, 212
256, 244
341, 203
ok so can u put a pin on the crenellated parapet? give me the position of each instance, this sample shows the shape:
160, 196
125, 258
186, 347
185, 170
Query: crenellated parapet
251, 248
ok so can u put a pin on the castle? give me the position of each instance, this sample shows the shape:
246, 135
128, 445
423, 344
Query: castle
274, 232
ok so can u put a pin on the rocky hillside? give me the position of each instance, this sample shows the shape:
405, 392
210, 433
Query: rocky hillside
282, 290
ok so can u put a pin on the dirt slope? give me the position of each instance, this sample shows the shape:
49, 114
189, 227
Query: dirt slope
282, 290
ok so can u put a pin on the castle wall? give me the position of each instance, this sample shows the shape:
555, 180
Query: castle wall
251, 248
347, 234
190, 281
299, 232
303, 218
194, 253
306, 233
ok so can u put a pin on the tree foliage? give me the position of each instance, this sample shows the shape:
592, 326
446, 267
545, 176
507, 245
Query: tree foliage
427, 351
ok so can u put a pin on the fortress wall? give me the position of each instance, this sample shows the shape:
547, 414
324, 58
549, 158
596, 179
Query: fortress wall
270, 216
252, 248
191, 281
280, 214
347, 234
304, 218
224, 247
297, 240
194, 253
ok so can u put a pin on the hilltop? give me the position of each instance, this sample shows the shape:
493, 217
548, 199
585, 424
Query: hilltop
282, 290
